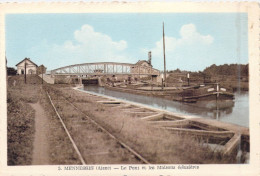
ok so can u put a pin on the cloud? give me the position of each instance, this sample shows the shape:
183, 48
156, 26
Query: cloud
88, 46
90, 38
190, 35
182, 52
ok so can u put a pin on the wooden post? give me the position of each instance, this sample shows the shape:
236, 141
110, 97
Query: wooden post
25, 72
217, 95
162, 81
42, 74
188, 77
139, 71
232, 144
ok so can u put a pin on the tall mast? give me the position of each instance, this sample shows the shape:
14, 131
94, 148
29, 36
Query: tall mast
164, 57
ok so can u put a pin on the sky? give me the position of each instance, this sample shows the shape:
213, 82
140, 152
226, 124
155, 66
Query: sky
193, 41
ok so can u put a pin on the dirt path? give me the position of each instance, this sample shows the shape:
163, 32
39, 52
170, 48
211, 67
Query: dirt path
40, 145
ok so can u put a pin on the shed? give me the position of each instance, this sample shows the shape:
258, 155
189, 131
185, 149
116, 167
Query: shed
30, 66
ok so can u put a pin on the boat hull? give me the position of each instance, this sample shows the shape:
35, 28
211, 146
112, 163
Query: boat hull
216, 100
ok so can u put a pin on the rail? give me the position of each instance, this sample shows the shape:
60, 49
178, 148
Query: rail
136, 154
67, 132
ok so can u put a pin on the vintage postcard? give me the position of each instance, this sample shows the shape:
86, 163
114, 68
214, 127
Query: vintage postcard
129, 88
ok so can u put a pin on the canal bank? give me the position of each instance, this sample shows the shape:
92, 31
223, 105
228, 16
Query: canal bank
225, 137
158, 146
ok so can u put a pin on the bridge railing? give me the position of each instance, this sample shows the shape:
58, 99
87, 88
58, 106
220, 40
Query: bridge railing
104, 68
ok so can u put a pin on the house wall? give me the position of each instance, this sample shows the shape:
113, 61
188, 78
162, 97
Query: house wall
159, 78
143, 67
30, 68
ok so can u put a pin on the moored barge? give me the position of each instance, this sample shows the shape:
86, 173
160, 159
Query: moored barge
209, 96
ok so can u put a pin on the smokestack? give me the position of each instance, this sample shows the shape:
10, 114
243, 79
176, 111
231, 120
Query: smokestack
150, 57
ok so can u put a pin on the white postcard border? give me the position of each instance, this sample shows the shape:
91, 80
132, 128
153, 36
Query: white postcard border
143, 7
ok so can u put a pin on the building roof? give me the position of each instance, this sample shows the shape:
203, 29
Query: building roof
141, 61
42, 66
28, 60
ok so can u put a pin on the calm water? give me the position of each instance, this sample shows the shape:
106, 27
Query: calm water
238, 114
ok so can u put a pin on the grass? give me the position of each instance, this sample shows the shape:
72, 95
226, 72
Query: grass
95, 145
61, 149
157, 145
20, 132
21, 124
20, 119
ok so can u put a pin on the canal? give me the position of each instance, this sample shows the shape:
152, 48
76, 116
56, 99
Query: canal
238, 114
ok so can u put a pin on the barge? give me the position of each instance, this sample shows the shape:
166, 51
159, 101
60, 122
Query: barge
210, 96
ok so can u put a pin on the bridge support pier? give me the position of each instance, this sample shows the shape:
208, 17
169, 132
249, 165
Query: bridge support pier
80, 80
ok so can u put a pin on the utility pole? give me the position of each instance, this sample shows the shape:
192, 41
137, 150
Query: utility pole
164, 57
25, 71
42, 74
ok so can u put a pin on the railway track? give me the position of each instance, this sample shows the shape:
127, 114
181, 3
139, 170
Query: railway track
102, 138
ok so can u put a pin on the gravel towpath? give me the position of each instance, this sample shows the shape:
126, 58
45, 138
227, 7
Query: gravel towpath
40, 145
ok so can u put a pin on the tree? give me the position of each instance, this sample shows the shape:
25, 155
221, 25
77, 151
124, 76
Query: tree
244, 71
11, 71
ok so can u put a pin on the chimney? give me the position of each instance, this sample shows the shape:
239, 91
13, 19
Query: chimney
150, 57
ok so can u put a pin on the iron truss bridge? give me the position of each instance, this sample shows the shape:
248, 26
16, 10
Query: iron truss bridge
105, 68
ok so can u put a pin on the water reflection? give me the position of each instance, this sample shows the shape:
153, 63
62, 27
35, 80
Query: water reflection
237, 112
